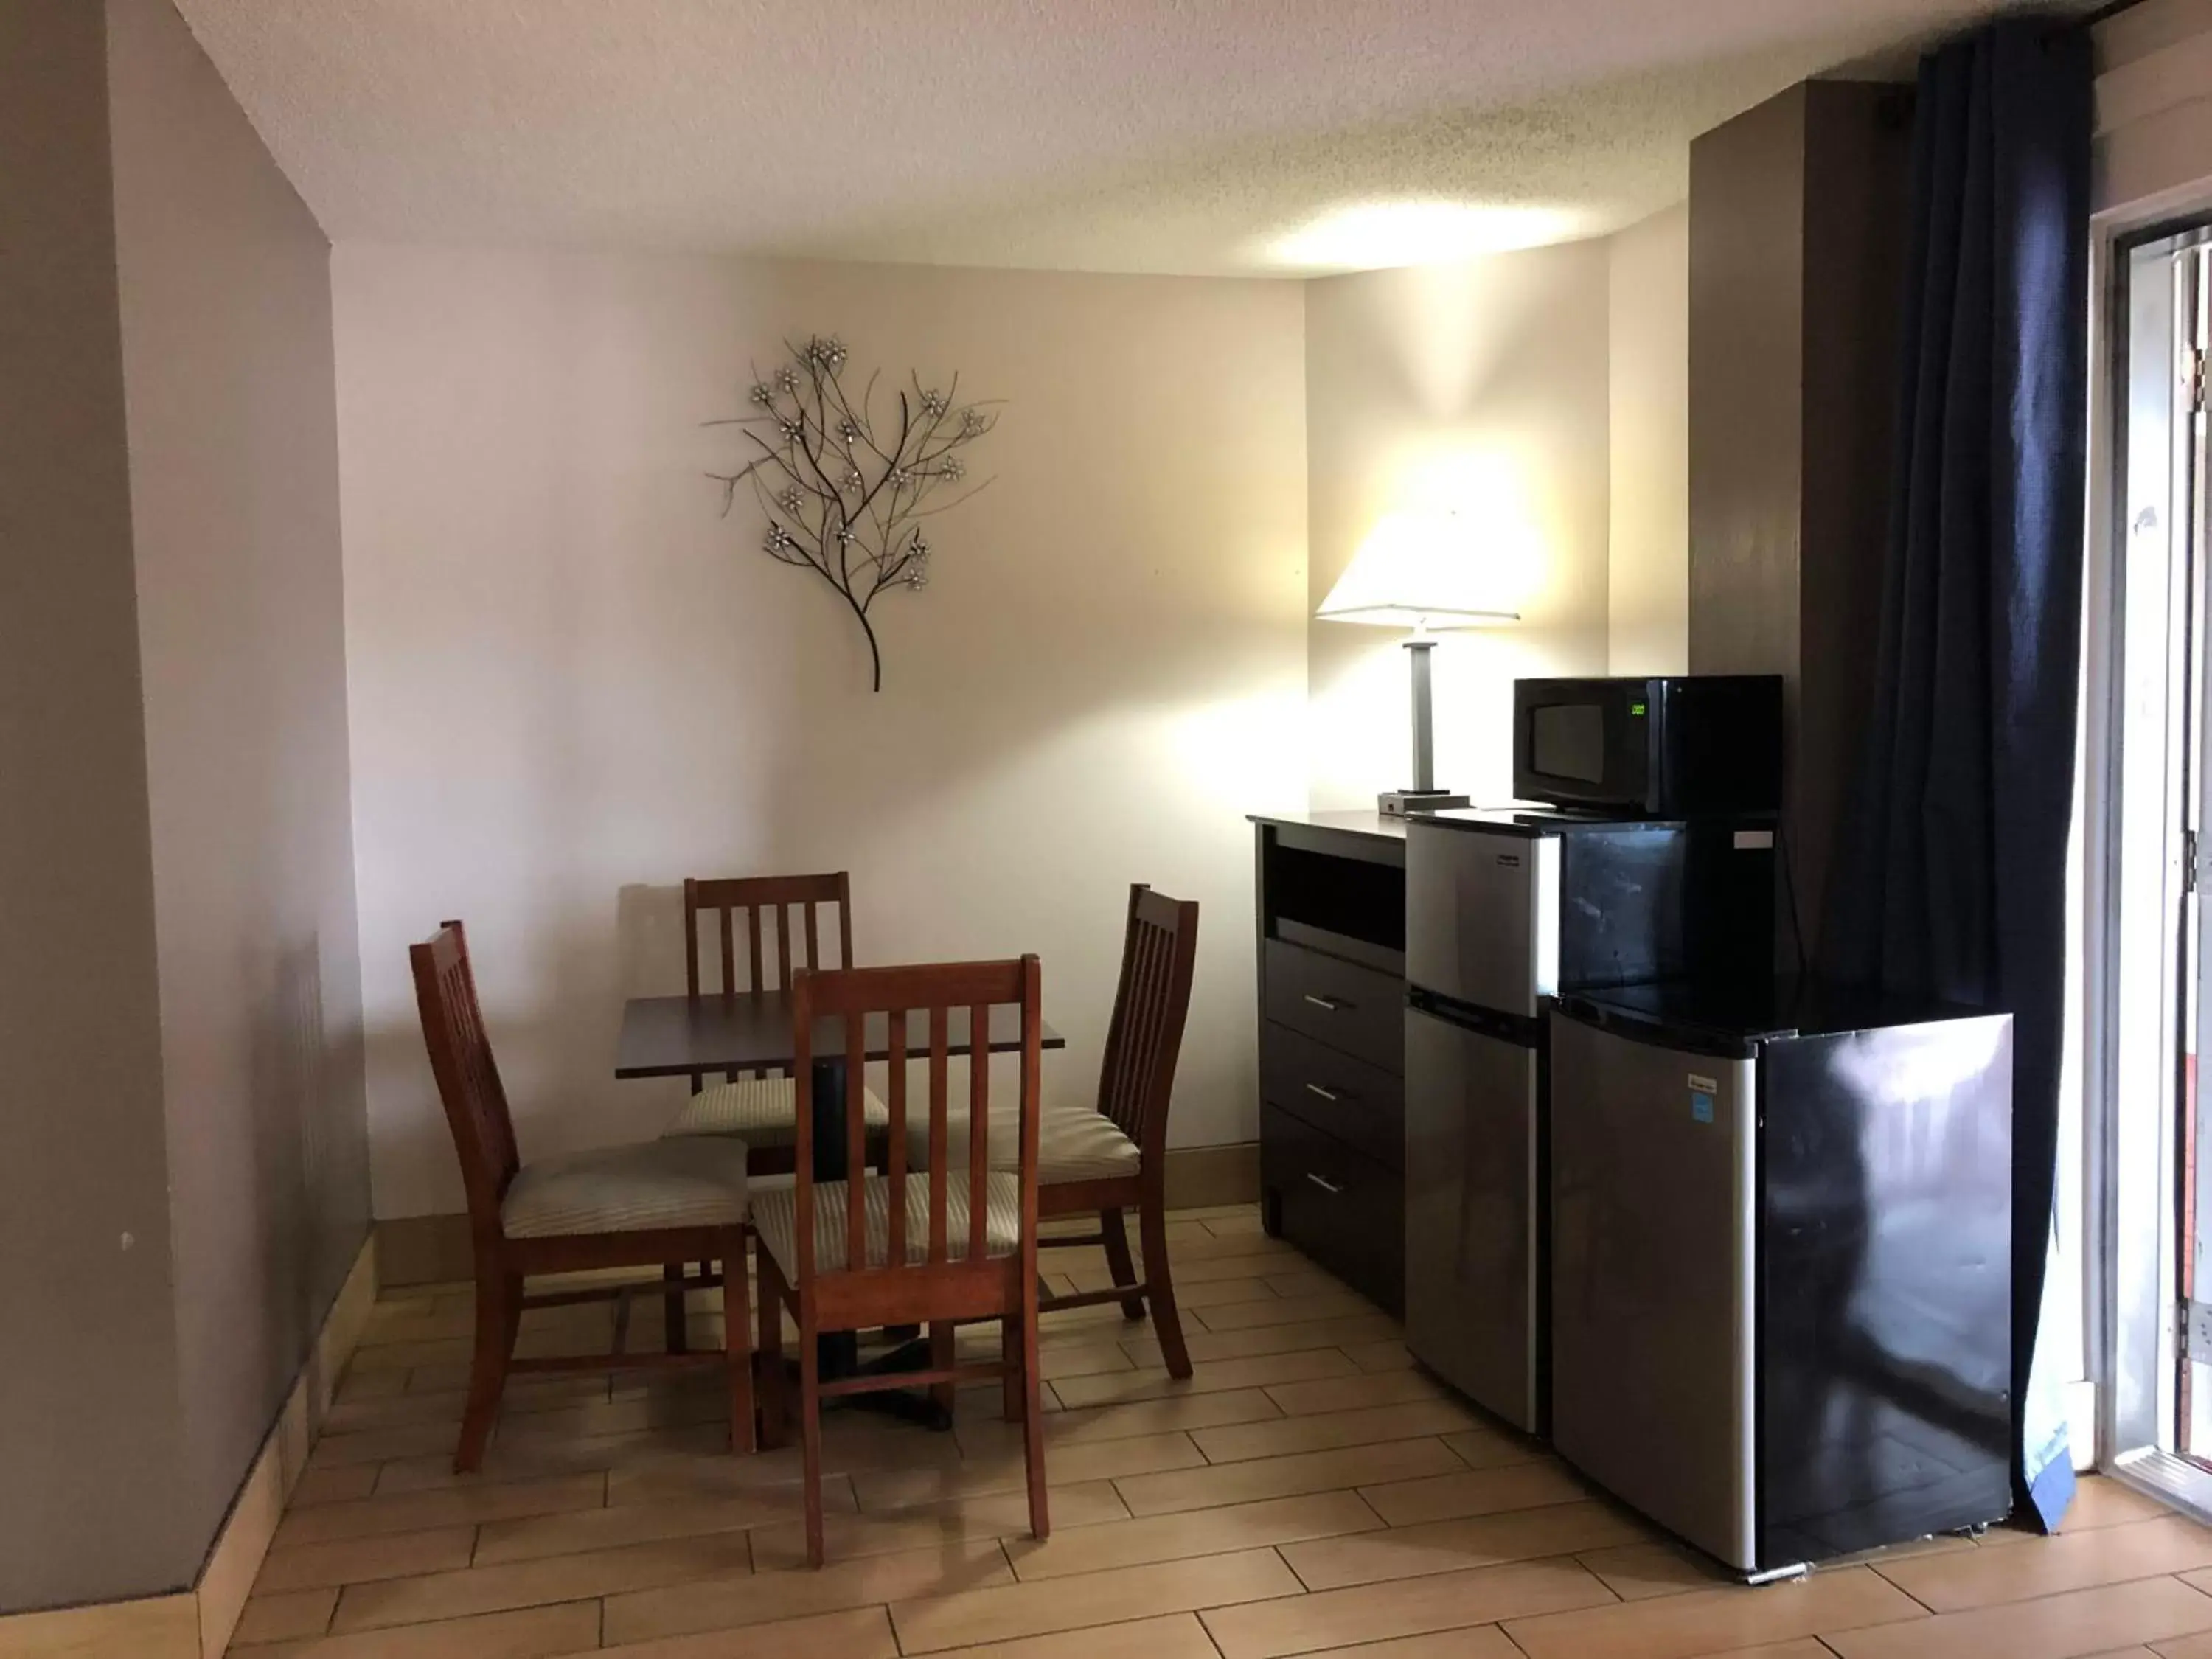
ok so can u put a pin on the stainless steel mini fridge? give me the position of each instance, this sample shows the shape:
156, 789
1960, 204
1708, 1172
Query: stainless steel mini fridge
1503, 910
1781, 1313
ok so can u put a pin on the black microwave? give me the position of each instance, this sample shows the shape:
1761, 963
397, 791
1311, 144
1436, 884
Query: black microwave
1657, 748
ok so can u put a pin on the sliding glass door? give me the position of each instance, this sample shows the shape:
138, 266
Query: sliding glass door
2149, 780
2189, 268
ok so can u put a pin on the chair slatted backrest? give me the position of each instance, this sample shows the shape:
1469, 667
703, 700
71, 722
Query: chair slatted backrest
1159, 951
894, 1002
467, 1076
766, 901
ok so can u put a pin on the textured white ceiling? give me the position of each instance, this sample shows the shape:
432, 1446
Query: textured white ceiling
1183, 136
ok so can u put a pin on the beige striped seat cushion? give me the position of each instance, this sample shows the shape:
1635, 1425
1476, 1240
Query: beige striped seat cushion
1074, 1143
775, 1220
761, 1111
627, 1189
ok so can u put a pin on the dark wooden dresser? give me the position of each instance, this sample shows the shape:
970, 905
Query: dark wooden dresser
1332, 922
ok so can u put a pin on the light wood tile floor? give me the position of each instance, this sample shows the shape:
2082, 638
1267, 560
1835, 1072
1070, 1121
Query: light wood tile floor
1308, 1491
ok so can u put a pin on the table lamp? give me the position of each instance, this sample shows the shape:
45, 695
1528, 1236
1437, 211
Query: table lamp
1416, 570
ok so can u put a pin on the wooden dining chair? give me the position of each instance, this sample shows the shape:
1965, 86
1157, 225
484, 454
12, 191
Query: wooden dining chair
756, 1108
1112, 1158
759, 1108
931, 1247
653, 1203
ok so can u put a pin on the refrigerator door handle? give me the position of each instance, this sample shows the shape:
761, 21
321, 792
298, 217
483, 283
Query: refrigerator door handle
1328, 1187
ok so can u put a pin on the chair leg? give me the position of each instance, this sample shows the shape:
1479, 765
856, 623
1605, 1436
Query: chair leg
499, 1318
672, 1305
809, 1436
1160, 1287
944, 1354
774, 1388
1116, 1238
1010, 1356
1033, 1428
737, 1329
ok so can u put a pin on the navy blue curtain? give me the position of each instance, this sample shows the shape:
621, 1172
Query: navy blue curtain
1950, 878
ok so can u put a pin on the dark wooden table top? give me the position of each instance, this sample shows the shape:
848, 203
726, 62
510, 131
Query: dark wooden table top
1360, 822
674, 1037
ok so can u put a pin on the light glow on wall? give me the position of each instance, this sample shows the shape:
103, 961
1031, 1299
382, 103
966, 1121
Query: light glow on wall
1384, 235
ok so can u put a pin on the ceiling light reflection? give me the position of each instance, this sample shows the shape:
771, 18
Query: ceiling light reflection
1382, 236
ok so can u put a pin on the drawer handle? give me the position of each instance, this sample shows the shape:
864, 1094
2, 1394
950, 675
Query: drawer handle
1328, 1095
1328, 1187
1327, 1005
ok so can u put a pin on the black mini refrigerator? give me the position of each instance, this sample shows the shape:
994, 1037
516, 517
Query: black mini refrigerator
1781, 1290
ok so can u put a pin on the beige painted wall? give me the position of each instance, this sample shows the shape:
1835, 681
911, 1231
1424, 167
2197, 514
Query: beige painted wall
88, 1455
1482, 386
1648, 361
2153, 146
572, 684
225, 303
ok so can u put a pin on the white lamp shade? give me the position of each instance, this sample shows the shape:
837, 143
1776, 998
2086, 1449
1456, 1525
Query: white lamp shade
1418, 570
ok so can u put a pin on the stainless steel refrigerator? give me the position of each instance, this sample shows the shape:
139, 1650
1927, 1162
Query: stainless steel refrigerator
1780, 1282
1504, 910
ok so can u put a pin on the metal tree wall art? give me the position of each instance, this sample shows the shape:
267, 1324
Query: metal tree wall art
844, 494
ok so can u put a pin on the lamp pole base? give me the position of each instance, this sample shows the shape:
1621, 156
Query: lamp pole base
1398, 803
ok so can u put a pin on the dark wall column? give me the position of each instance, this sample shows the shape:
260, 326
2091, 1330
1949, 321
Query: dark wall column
90, 1471
1797, 229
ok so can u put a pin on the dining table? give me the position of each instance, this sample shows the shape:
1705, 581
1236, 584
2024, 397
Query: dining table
753, 1031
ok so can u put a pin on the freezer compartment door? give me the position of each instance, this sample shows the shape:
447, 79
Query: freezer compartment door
1653, 1190
1482, 916
1473, 1217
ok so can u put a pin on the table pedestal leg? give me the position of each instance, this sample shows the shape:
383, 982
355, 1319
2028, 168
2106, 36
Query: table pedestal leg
838, 1353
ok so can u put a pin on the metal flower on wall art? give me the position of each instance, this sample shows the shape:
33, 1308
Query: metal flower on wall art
844, 493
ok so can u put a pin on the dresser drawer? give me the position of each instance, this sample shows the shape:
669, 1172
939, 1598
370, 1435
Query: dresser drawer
1342, 1208
1353, 1010
1349, 1098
